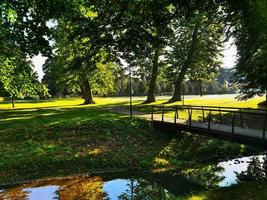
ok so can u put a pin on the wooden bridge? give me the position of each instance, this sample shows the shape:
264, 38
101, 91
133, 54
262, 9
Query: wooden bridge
242, 125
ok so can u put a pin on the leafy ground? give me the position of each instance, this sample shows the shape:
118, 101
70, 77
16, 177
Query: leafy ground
58, 137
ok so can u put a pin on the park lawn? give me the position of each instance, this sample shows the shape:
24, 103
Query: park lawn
58, 137
64, 102
124, 101
224, 101
72, 140
201, 101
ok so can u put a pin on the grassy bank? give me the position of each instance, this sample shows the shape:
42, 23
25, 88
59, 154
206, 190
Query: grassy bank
56, 137
249, 190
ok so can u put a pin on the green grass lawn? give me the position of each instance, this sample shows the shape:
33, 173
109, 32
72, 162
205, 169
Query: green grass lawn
226, 101
58, 137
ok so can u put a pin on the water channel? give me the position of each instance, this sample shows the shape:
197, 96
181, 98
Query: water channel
140, 185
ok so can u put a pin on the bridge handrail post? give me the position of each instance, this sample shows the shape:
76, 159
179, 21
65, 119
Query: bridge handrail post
152, 113
190, 116
209, 120
176, 114
220, 116
163, 110
233, 124
203, 115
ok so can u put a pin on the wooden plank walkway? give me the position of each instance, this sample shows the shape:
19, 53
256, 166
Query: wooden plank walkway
251, 127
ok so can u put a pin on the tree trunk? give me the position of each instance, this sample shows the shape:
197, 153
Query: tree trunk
87, 92
13, 101
177, 94
152, 85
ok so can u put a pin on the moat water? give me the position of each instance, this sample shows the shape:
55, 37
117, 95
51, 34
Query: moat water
140, 185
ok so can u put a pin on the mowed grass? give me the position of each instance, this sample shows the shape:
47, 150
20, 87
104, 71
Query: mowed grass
54, 111
215, 100
210, 100
64, 102
41, 142
54, 137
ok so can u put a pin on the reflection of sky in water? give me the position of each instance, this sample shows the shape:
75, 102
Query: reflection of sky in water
42, 193
232, 166
116, 187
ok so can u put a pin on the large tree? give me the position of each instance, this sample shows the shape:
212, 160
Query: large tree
19, 79
195, 51
83, 45
146, 33
22, 31
248, 22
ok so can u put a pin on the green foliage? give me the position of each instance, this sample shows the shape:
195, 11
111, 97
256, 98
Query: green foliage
256, 171
249, 20
19, 80
205, 58
22, 26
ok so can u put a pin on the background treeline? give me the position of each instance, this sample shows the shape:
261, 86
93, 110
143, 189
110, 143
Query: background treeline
172, 47
221, 84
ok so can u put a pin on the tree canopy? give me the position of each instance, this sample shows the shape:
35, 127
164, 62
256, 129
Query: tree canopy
164, 42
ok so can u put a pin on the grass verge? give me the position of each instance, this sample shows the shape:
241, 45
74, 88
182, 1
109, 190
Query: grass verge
61, 137
47, 141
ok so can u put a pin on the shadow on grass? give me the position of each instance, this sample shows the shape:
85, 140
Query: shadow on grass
28, 101
47, 116
65, 140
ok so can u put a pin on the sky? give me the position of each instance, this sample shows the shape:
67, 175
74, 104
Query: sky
229, 58
229, 54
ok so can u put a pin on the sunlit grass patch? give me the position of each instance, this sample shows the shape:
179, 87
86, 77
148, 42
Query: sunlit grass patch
64, 137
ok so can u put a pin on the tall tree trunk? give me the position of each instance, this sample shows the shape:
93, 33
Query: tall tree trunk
87, 92
152, 85
13, 101
177, 94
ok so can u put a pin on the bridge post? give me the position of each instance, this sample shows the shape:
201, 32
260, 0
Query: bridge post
233, 124
152, 113
176, 114
220, 115
189, 116
209, 120
203, 115
162, 117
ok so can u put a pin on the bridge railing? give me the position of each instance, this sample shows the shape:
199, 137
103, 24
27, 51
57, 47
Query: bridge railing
211, 117
225, 108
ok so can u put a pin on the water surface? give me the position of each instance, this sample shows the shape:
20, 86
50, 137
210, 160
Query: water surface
140, 185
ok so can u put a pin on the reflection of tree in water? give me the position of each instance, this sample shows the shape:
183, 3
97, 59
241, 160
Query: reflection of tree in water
89, 188
15, 194
144, 190
82, 188
207, 176
255, 171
